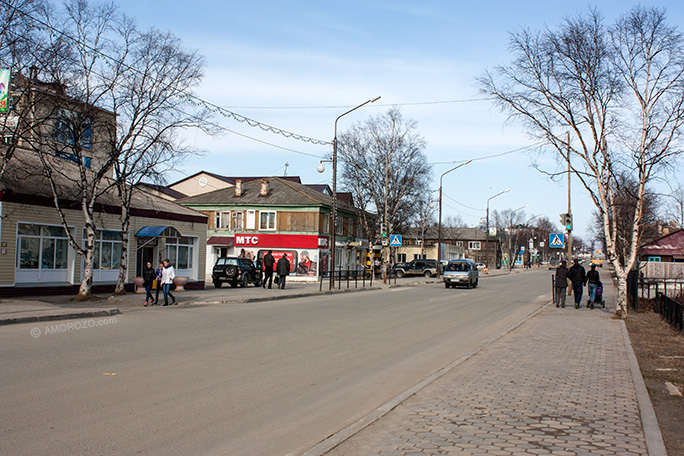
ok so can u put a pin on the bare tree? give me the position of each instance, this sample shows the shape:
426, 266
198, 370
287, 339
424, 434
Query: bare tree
384, 162
117, 97
151, 107
507, 224
424, 217
674, 208
608, 100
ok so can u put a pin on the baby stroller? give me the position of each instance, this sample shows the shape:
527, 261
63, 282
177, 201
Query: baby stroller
598, 296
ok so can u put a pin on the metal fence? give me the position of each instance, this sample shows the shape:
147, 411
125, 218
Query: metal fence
671, 310
640, 287
353, 278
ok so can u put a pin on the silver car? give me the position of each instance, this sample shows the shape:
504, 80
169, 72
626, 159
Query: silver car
461, 272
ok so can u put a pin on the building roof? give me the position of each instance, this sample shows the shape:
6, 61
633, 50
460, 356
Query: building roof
165, 190
671, 244
232, 179
283, 192
23, 181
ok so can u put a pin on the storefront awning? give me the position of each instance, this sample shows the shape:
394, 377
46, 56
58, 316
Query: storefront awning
156, 231
227, 241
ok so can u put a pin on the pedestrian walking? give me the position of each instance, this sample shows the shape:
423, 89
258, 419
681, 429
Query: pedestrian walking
578, 276
283, 270
561, 283
269, 261
168, 274
149, 275
593, 281
160, 269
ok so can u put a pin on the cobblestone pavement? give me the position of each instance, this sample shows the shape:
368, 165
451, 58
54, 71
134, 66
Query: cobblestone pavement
559, 384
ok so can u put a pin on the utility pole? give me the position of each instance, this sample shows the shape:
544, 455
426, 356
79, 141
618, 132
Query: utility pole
385, 247
569, 206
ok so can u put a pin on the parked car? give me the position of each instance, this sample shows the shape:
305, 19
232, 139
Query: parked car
461, 272
417, 267
553, 264
235, 271
481, 266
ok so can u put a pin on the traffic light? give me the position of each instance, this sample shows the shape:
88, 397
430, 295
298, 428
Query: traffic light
568, 222
390, 228
383, 230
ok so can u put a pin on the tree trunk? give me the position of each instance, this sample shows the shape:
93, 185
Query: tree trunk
123, 267
85, 290
621, 300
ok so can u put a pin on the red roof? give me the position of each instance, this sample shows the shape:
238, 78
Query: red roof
671, 244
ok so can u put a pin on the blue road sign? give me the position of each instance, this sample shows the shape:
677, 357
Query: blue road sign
395, 240
557, 240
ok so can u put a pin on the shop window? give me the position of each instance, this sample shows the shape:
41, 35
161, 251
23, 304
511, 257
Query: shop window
41, 247
180, 252
267, 220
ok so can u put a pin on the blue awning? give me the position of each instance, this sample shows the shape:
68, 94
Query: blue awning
156, 231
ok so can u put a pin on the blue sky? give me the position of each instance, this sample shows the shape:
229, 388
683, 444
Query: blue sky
297, 65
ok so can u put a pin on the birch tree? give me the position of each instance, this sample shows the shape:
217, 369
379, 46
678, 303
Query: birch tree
384, 166
607, 99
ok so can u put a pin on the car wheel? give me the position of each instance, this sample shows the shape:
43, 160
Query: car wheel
233, 284
218, 284
446, 285
469, 286
245, 281
427, 274
477, 282
231, 271
400, 274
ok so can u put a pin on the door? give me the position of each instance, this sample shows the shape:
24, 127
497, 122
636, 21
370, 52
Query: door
145, 254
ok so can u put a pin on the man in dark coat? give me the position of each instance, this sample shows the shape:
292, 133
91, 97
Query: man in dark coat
579, 278
561, 284
283, 270
269, 261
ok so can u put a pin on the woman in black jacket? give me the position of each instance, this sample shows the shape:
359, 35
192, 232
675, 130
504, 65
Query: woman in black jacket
149, 275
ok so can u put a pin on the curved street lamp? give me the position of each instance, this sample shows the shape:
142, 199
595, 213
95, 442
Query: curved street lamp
321, 169
439, 227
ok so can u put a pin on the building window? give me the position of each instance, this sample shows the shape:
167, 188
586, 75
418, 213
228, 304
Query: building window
107, 253
267, 221
179, 252
401, 257
222, 220
474, 245
326, 223
238, 220
654, 259
41, 247
459, 243
69, 126
251, 220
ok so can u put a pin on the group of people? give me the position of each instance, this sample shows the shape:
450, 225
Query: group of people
578, 278
164, 276
282, 269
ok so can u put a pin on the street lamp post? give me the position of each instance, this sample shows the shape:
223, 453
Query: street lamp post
439, 226
334, 190
487, 233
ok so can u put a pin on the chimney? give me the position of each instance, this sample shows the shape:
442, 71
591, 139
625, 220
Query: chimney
264, 187
33, 74
238, 187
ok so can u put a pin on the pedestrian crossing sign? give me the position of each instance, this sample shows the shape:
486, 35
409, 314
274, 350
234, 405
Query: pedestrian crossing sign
557, 240
395, 240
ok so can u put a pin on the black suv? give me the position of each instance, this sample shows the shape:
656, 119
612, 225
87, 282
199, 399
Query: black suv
417, 267
235, 271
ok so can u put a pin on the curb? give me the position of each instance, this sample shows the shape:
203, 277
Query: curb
54, 317
277, 298
649, 421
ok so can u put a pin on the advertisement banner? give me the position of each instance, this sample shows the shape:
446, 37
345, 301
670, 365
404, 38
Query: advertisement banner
4, 89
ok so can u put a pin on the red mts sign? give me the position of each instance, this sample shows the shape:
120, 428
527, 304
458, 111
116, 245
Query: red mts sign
291, 241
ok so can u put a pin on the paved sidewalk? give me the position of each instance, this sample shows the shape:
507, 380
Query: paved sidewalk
564, 382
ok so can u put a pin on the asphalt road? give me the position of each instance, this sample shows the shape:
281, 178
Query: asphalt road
270, 378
